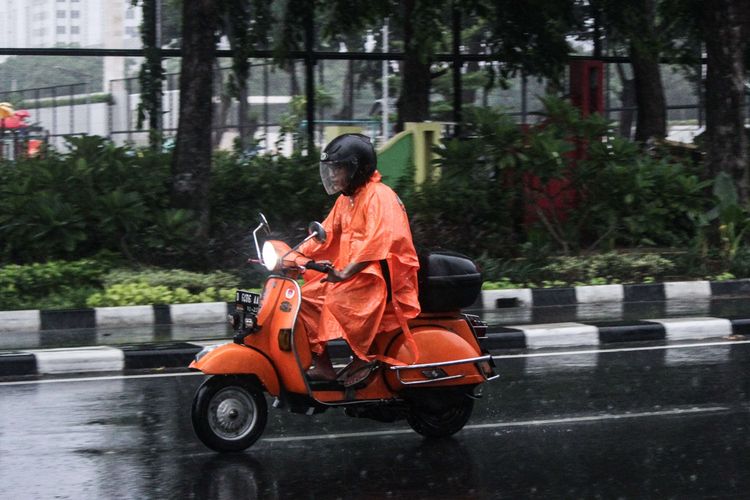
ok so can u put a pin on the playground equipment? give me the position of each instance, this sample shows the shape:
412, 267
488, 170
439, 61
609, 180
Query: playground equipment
18, 138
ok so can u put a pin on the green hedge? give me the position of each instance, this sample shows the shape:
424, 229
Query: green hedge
94, 283
132, 294
53, 284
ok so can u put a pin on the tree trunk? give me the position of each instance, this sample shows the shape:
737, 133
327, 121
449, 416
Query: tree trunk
293, 81
627, 102
191, 164
651, 121
414, 100
469, 94
726, 139
347, 107
243, 110
219, 125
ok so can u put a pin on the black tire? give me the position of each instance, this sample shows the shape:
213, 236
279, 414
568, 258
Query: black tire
443, 421
229, 413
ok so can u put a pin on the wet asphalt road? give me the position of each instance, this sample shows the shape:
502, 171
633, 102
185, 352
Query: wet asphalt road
646, 421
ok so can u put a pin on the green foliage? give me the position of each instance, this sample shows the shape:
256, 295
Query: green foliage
503, 284
172, 278
126, 294
597, 269
733, 219
98, 196
292, 122
459, 209
632, 199
164, 286
286, 190
610, 267
56, 283
505, 189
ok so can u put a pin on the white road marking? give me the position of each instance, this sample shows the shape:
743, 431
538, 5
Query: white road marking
623, 349
521, 423
98, 379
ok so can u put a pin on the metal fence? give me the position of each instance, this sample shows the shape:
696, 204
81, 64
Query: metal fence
349, 92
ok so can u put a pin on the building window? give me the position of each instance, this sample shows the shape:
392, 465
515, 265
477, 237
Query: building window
75, 14
61, 14
60, 30
75, 30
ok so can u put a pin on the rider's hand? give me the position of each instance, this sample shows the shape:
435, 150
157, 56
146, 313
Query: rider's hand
335, 276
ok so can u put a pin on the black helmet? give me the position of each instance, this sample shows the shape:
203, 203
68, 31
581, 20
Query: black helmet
355, 155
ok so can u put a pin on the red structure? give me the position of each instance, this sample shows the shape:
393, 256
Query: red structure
556, 198
586, 85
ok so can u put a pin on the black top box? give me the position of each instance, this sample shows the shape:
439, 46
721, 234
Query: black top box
447, 281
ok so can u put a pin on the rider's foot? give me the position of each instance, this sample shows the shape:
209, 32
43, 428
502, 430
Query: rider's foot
357, 372
322, 368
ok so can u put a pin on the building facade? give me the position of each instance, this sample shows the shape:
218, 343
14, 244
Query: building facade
69, 23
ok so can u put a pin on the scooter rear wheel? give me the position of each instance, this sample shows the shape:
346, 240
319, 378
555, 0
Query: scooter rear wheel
229, 413
442, 422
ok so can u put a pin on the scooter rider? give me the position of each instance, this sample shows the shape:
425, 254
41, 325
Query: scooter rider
370, 248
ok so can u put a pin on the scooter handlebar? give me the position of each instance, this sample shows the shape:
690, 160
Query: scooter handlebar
322, 268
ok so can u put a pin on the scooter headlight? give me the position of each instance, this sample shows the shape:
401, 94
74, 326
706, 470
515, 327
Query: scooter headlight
270, 257
205, 351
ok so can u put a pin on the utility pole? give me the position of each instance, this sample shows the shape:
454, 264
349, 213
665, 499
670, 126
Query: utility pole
384, 103
310, 77
457, 64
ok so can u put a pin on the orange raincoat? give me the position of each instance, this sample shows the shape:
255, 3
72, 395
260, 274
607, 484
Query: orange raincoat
370, 226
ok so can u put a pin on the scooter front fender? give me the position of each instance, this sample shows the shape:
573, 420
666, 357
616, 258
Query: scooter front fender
235, 359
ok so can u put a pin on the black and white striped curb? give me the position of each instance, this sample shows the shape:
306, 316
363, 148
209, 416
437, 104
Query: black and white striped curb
175, 314
652, 292
216, 312
499, 338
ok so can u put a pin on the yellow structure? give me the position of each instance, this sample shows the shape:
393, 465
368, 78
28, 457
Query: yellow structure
6, 110
412, 148
426, 136
330, 132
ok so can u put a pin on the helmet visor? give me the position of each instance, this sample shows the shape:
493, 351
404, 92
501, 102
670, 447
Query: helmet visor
334, 176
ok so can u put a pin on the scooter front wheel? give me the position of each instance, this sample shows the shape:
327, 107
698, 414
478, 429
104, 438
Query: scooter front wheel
229, 413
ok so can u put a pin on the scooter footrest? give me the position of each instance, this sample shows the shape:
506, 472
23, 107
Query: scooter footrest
326, 385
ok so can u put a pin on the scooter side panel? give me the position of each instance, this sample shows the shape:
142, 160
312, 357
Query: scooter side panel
234, 359
277, 317
437, 345
459, 326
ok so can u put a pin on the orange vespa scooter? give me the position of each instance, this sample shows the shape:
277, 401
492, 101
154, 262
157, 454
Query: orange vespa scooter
435, 393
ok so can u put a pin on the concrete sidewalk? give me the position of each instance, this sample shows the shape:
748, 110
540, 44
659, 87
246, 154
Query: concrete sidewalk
171, 354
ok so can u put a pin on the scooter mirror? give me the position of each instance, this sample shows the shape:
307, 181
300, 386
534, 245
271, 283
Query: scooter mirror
264, 222
316, 228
